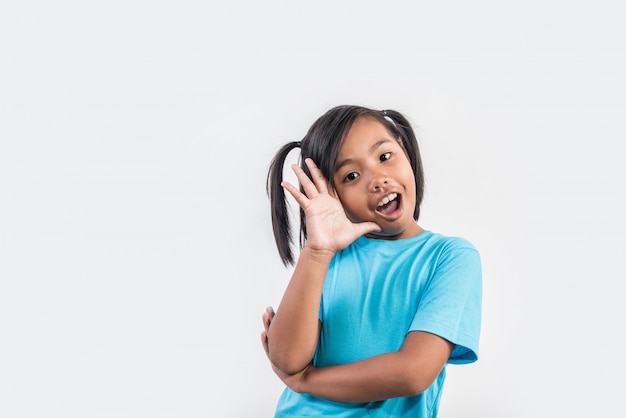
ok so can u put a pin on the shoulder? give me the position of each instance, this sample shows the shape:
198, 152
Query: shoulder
454, 250
448, 243
427, 244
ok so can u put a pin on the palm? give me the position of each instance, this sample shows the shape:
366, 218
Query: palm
328, 227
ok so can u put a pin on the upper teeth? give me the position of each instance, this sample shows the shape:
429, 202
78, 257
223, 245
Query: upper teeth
388, 199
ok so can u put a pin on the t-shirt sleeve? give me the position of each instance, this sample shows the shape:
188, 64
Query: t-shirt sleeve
451, 303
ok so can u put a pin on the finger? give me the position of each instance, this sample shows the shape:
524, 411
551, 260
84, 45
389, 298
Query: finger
317, 175
302, 200
367, 227
265, 343
307, 184
266, 322
267, 317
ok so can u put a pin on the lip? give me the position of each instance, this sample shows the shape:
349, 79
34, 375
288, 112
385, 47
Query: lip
393, 215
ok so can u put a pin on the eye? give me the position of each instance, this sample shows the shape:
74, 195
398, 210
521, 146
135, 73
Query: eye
385, 156
351, 176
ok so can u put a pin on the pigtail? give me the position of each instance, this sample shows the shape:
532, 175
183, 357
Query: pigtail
402, 127
281, 224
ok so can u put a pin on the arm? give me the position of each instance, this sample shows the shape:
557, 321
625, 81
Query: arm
291, 336
417, 364
407, 372
294, 330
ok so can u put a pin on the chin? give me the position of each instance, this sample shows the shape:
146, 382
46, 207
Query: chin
384, 234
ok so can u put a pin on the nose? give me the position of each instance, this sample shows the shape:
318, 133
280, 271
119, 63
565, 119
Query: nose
377, 175
378, 183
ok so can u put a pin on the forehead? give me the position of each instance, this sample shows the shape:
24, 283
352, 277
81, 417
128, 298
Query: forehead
364, 134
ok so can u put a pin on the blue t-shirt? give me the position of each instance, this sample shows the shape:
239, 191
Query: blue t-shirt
375, 293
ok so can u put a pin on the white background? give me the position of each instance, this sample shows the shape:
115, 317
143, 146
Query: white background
136, 253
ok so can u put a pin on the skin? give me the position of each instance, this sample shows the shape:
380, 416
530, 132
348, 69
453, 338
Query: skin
370, 166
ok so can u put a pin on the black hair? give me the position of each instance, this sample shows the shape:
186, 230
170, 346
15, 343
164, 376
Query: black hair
322, 144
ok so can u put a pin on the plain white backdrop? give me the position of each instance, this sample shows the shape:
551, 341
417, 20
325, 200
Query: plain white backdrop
136, 253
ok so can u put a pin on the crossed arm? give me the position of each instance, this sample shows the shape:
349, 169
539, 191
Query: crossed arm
407, 372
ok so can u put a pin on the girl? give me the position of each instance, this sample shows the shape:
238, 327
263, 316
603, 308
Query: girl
376, 306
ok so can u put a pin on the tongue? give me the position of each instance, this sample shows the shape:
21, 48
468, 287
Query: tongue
388, 208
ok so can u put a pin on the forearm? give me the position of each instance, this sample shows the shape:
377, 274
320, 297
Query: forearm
378, 378
407, 372
294, 330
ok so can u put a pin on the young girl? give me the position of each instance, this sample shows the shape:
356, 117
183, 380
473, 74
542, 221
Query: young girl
376, 306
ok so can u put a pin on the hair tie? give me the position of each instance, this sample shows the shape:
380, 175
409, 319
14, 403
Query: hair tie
389, 118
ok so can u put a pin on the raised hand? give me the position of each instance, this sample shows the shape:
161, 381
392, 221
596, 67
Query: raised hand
328, 228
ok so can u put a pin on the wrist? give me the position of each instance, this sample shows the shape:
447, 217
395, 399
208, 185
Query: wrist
318, 255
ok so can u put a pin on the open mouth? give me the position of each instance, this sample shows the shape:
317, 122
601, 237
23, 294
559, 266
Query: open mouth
389, 204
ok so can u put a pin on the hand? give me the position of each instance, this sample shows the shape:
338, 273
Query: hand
328, 228
267, 317
293, 381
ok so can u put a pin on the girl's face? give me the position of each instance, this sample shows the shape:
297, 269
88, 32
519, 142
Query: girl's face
374, 180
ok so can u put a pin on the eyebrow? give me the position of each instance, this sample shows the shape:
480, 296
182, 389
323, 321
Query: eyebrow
373, 148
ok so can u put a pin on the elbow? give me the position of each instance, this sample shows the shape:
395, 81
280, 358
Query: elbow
288, 356
288, 359
414, 382
287, 365
414, 387
290, 370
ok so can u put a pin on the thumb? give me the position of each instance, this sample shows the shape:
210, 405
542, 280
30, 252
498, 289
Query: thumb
367, 227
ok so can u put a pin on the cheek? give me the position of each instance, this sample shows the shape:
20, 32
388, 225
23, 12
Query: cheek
353, 204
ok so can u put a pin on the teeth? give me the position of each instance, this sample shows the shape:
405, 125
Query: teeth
388, 199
